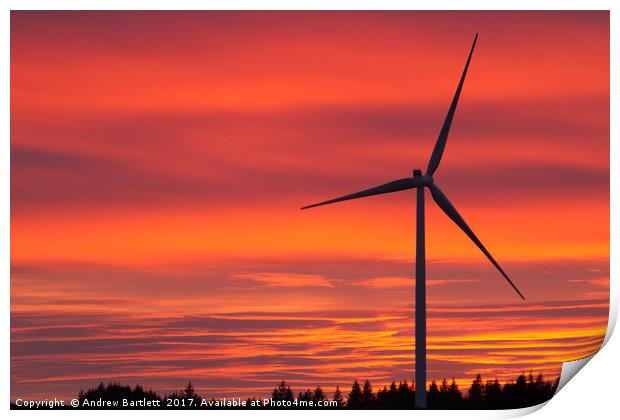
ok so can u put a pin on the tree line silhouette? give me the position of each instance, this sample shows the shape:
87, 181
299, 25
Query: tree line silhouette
525, 391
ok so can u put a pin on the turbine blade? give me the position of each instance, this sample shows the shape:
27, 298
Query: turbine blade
445, 129
447, 207
398, 185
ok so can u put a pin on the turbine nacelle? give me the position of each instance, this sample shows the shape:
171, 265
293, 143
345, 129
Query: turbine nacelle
422, 180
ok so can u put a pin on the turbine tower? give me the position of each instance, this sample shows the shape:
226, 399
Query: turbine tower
420, 182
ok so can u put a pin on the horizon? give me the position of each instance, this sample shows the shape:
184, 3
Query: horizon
159, 160
529, 378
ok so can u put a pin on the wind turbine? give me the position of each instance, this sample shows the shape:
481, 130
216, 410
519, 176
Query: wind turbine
420, 182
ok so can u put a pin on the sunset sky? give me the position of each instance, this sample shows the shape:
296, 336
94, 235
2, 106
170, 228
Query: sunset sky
159, 161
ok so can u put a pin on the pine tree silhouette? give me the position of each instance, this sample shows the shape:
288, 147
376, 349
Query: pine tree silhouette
282, 392
405, 396
318, 394
354, 400
306, 396
338, 397
475, 393
493, 397
190, 394
454, 397
368, 398
433, 396
393, 394
381, 398
443, 393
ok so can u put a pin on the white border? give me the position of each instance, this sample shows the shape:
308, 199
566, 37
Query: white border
587, 396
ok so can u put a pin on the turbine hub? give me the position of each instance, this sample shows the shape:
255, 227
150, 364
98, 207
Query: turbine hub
425, 179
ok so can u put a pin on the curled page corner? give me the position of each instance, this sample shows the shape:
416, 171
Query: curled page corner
570, 369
